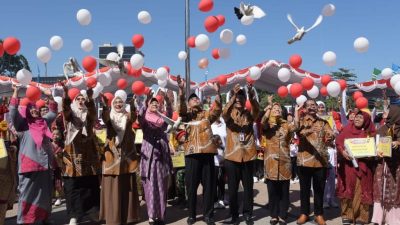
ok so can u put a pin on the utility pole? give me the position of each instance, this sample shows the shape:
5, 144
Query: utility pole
187, 49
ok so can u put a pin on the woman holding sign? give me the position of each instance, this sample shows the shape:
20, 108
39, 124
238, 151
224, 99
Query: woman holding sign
155, 163
354, 186
387, 173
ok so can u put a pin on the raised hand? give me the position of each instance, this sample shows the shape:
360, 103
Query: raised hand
216, 87
181, 84
269, 98
89, 93
236, 89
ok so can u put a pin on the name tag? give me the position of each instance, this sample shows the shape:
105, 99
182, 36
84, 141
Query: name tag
241, 137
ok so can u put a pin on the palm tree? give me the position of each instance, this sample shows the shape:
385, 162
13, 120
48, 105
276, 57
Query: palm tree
345, 74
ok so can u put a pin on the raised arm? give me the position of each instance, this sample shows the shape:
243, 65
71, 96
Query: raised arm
67, 111
18, 121
215, 112
53, 108
92, 113
133, 114
226, 112
255, 107
267, 110
182, 99
343, 118
105, 115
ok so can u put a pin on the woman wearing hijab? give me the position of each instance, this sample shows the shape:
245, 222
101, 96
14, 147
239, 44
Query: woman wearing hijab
119, 196
35, 159
278, 169
156, 163
81, 158
387, 174
354, 185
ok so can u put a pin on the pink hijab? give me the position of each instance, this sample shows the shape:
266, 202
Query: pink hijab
153, 117
37, 126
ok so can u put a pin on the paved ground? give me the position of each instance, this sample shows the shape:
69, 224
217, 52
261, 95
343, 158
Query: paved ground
177, 215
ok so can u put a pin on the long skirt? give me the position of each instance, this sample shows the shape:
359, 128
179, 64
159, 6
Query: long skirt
155, 191
82, 195
353, 209
34, 202
119, 199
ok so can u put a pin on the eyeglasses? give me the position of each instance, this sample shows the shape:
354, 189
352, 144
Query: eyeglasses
80, 99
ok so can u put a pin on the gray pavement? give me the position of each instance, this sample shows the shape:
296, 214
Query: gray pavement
177, 215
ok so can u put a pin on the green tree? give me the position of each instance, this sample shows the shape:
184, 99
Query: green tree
10, 64
263, 97
345, 74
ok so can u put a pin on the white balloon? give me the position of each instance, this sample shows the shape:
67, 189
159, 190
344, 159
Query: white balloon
144, 17
162, 83
162, 73
255, 72
59, 101
361, 44
182, 55
247, 20
87, 45
328, 10
97, 90
113, 56
84, 17
24, 76
43, 54
329, 58
202, 42
122, 94
397, 88
394, 80
224, 53
104, 79
301, 99
56, 43
226, 36
284, 74
241, 39
313, 92
387, 73
128, 108
333, 88
137, 61
288, 87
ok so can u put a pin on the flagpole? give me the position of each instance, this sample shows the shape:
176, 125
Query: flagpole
187, 49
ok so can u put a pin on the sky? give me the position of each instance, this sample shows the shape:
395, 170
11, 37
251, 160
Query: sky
115, 21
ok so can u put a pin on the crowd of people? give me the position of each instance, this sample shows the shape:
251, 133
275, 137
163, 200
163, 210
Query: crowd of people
54, 154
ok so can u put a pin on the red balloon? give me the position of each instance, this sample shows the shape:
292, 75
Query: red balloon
91, 82
222, 80
296, 89
307, 83
160, 99
283, 91
221, 20
191, 41
175, 115
24, 102
211, 24
206, 5
357, 94
138, 40
215, 53
40, 103
33, 93
343, 84
249, 80
11, 45
325, 79
362, 102
323, 91
388, 83
146, 90
167, 68
1, 50
138, 87
122, 83
89, 63
73, 92
248, 105
132, 72
295, 61
109, 96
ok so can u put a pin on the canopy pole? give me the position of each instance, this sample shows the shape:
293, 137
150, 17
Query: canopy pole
187, 49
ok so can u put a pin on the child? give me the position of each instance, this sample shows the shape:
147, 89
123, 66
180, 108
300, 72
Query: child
219, 173
329, 192
58, 147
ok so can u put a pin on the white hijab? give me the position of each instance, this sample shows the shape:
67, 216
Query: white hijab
118, 121
78, 122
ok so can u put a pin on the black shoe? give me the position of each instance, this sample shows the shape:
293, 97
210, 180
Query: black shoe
233, 220
190, 221
209, 221
282, 222
347, 222
249, 220
274, 221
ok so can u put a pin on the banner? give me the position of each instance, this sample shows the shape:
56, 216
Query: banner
360, 147
3, 155
178, 159
384, 144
